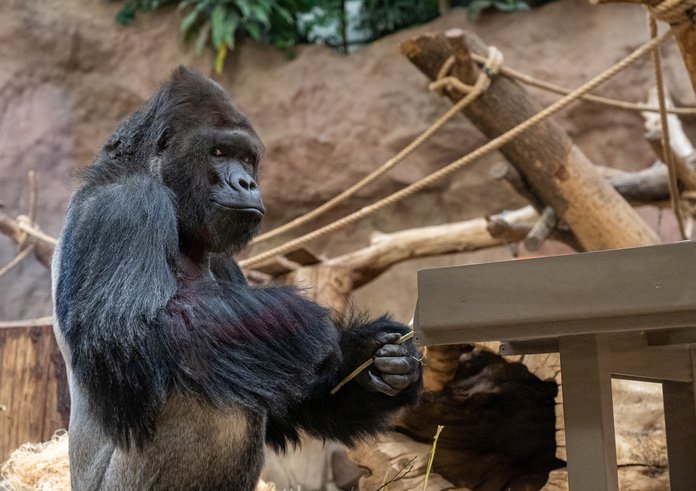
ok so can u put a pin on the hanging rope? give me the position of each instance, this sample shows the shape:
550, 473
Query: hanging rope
667, 152
607, 101
470, 92
458, 164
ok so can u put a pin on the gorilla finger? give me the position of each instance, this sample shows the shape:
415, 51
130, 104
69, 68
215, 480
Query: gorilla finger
392, 350
383, 338
381, 386
398, 381
392, 364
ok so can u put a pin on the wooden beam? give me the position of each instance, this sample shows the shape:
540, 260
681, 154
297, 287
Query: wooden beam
556, 170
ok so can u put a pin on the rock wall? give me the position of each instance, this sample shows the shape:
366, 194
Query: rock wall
69, 74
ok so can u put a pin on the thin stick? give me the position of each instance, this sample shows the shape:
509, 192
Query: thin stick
32, 197
362, 367
432, 456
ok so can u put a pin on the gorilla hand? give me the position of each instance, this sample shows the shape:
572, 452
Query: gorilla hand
395, 367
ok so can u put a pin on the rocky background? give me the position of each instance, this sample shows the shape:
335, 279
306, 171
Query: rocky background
69, 74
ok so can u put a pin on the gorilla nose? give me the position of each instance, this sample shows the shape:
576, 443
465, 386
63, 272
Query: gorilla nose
247, 183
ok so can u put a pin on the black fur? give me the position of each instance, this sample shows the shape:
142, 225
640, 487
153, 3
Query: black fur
148, 312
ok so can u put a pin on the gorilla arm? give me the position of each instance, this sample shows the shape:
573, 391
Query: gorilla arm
363, 406
113, 276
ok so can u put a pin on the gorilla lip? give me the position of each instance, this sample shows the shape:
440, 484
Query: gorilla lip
249, 209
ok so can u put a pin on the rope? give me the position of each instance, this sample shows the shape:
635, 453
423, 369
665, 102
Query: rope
673, 11
34, 232
25, 246
668, 155
491, 66
16, 260
485, 149
607, 101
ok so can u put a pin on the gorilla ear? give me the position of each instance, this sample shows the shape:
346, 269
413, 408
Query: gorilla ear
162, 139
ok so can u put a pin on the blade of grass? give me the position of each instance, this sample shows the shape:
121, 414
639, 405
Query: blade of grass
432, 456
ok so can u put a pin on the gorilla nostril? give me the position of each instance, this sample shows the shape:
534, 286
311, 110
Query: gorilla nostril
247, 184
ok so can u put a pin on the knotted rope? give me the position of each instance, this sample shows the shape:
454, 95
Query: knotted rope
673, 11
491, 67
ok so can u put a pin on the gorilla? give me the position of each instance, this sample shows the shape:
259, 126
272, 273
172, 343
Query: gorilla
179, 371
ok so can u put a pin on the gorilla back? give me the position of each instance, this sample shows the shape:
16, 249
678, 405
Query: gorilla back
179, 371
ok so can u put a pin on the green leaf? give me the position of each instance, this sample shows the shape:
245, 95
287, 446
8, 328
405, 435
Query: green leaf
254, 30
231, 26
244, 7
217, 19
189, 20
260, 12
284, 14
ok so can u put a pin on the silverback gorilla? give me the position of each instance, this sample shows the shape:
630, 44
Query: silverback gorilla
179, 371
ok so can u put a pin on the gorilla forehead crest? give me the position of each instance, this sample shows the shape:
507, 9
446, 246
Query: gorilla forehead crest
187, 100
189, 93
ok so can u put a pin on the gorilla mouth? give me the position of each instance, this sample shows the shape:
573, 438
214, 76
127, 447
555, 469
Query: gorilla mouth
244, 209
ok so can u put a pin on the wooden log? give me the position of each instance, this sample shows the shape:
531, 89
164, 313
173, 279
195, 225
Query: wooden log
506, 172
648, 186
442, 364
541, 229
389, 249
34, 400
399, 461
645, 187
556, 170
327, 285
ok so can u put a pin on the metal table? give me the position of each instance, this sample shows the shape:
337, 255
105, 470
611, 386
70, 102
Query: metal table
628, 313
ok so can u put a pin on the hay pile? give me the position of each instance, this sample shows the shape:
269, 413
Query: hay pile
44, 467
38, 466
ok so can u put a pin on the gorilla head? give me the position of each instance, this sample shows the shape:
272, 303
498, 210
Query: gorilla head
209, 157
206, 152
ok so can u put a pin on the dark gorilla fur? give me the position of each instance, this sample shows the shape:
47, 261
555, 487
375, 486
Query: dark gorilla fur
151, 317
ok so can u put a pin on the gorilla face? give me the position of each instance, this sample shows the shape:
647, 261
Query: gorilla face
235, 209
211, 165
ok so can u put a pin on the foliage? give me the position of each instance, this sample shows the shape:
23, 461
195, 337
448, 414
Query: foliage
382, 17
286, 23
219, 22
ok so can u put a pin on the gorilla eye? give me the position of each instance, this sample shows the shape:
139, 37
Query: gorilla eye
217, 152
246, 158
